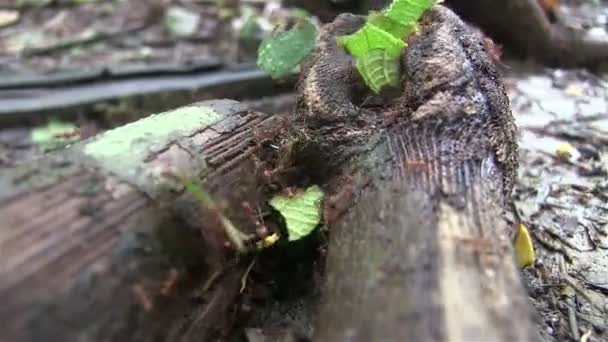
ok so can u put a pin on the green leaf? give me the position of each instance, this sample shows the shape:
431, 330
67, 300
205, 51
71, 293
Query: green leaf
302, 212
250, 30
407, 12
377, 45
395, 28
199, 193
55, 135
371, 37
282, 51
378, 69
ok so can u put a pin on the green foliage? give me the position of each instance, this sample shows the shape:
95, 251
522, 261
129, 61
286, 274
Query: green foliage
55, 135
376, 46
199, 193
302, 212
378, 69
282, 51
250, 30
384, 32
407, 12
371, 37
236, 237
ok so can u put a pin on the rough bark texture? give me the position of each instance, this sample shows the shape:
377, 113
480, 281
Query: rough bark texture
88, 257
425, 254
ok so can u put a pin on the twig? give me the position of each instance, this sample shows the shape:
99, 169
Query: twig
552, 245
214, 276
572, 322
246, 275
580, 290
563, 240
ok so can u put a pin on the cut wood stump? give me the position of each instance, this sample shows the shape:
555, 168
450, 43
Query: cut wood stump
99, 243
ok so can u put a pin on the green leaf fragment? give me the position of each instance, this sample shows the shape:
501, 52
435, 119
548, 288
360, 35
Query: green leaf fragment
378, 69
302, 212
395, 28
282, 51
250, 30
371, 37
407, 12
377, 45
55, 135
199, 193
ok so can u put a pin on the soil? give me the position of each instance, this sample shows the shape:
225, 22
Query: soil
561, 193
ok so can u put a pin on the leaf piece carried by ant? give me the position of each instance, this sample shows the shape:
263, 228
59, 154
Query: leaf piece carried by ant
302, 211
282, 51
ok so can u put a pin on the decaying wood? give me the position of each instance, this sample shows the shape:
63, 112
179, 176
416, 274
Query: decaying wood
113, 250
425, 254
88, 256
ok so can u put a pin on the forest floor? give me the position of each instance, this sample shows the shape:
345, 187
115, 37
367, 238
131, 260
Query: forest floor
561, 195
562, 116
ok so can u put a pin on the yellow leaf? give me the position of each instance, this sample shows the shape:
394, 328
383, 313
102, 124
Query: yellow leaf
564, 151
268, 241
524, 249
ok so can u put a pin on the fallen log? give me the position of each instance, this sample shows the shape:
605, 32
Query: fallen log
92, 247
99, 245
